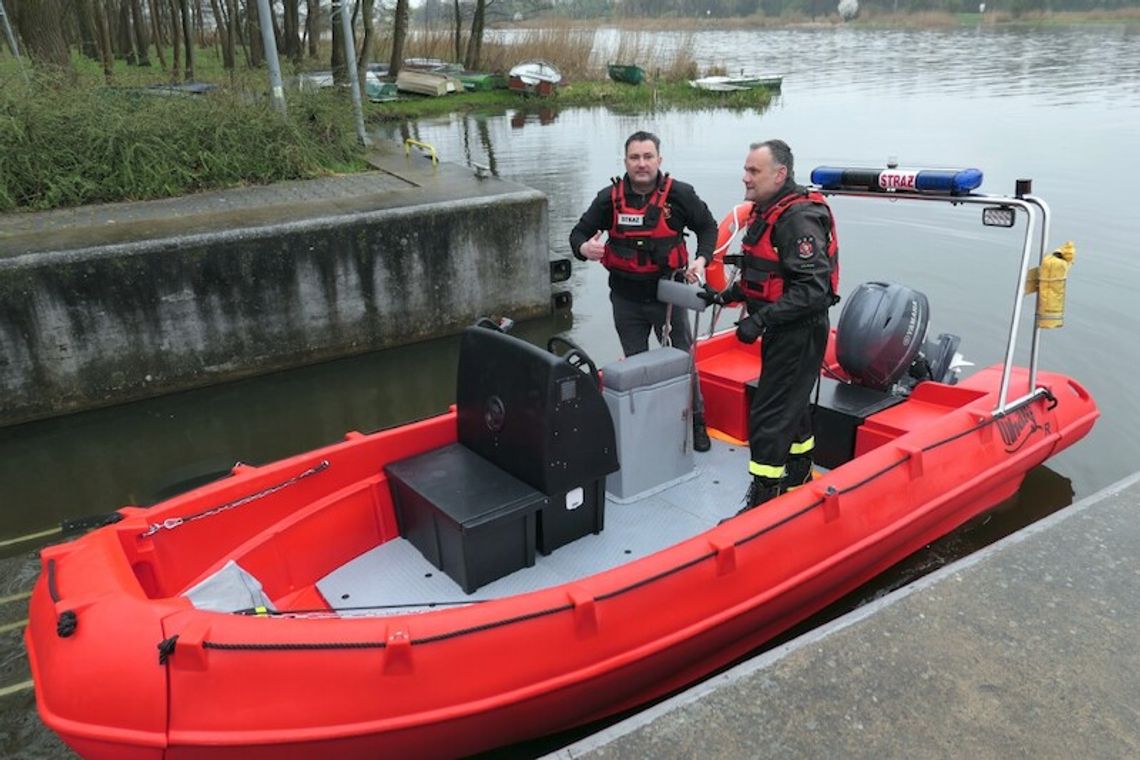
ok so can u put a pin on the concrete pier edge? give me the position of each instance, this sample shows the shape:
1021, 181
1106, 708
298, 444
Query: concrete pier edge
598, 742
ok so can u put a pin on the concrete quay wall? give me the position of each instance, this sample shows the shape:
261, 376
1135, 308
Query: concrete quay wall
223, 297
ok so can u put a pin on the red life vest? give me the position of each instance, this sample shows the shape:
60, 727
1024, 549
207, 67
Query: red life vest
641, 242
761, 278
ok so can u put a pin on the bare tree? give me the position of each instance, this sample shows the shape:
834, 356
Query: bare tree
458, 31
399, 34
125, 42
85, 23
142, 39
253, 34
235, 34
103, 30
176, 40
291, 33
38, 23
475, 41
366, 45
336, 60
156, 28
312, 25
187, 37
225, 35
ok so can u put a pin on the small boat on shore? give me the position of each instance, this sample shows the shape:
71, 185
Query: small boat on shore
626, 73
434, 83
738, 83
375, 88
523, 563
534, 78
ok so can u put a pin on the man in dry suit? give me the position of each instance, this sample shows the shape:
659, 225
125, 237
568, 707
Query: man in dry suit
645, 214
789, 278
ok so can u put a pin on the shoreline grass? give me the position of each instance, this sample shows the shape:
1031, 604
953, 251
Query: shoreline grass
621, 98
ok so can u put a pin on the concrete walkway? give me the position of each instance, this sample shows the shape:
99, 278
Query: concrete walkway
401, 180
1028, 648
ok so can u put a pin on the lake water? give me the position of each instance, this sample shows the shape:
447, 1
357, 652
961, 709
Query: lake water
1060, 106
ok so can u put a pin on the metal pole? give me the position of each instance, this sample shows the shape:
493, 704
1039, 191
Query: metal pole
269, 42
12, 40
350, 63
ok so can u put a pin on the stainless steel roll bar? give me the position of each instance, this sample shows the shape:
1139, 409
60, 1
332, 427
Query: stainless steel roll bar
1037, 212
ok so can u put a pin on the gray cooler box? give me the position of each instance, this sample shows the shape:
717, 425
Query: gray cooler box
648, 398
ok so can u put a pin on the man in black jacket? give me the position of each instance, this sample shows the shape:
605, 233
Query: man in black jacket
645, 214
789, 279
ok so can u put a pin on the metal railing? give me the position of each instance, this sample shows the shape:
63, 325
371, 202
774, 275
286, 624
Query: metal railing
1037, 213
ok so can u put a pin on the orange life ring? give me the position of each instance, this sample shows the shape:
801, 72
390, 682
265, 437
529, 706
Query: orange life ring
732, 223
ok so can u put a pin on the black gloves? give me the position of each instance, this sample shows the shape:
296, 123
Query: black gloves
724, 297
749, 329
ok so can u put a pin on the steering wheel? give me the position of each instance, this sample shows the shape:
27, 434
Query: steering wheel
574, 356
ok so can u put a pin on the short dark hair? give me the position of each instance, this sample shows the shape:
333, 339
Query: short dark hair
642, 136
781, 154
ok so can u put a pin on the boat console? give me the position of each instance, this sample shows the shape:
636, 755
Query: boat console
535, 443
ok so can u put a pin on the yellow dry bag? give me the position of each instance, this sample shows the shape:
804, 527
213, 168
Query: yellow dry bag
1048, 282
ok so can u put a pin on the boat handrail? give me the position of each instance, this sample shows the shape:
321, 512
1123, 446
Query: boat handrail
1034, 209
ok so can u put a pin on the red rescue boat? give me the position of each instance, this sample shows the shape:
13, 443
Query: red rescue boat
489, 575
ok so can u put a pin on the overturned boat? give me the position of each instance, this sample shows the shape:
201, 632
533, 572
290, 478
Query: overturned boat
534, 77
491, 574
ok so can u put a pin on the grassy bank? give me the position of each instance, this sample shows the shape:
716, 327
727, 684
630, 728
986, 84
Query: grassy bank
623, 98
87, 142
74, 146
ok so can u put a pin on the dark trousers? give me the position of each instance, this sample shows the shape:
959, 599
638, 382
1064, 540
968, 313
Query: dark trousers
781, 407
635, 319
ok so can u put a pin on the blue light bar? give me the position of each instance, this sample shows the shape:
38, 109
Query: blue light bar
940, 181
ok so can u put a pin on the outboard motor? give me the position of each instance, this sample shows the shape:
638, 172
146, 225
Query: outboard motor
881, 339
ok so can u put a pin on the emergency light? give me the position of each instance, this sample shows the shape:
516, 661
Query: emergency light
940, 181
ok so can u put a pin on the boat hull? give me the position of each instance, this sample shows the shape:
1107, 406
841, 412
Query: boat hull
457, 681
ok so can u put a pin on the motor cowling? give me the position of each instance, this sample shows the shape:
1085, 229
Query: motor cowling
880, 333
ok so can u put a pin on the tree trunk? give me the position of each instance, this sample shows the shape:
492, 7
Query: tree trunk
336, 59
187, 38
399, 34
200, 23
475, 41
156, 29
142, 39
291, 31
85, 23
253, 34
224, 39
312, 25
103, 29
458, 32
125, 39
176, 41
235, 32
366, 43
38, 23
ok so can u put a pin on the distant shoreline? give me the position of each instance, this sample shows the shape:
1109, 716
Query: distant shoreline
866, 20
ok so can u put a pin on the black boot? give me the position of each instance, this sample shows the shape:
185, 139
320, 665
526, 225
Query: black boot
759, 491
796, 473
701, 440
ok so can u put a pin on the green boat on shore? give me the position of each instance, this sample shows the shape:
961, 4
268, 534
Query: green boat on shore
628, 74
480, 82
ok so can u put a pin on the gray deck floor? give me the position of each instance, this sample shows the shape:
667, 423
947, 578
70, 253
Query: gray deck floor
394, 578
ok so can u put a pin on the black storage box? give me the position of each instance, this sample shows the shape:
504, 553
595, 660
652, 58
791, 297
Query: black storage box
467, 517
571, 515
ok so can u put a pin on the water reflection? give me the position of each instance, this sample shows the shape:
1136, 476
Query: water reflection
542, 116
